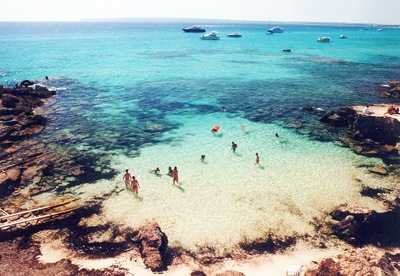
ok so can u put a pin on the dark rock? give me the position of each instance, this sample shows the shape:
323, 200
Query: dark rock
394, 90
345, 210
340, 118
26, 83
9, 101
11, 111
154, 245
9, 180
362, 226
393, 84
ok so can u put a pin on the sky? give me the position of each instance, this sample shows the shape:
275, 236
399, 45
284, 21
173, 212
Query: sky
347, 11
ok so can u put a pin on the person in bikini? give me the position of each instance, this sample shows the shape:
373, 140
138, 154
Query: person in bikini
135, 185
175, 175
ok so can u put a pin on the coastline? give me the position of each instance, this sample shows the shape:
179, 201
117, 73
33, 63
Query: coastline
54, 254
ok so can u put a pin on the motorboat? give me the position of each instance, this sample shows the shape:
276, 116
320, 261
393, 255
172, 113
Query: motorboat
275, 30
342, 37
286, 50
210, 36
234, 35
380, 30
324, 39
194, 29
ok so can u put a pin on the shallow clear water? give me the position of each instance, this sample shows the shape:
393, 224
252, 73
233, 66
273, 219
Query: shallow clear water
149, 95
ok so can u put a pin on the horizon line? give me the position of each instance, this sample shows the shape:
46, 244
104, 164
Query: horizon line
206, 21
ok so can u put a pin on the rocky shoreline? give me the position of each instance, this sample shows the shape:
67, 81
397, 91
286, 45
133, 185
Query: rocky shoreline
370, 237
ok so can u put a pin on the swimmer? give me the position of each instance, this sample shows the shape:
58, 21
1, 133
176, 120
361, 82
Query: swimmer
175, 174
135, 185
170, 171
223, 109
127, 178
257, 159
243, 128
215, 129
234, 146
277, 136
202, 158
156, 171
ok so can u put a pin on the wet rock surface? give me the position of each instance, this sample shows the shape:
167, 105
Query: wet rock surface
394, 90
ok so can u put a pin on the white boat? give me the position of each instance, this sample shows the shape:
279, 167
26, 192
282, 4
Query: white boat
324, 39
380, 30
210, 36
234, 35
194, 29
275, 30
342, 37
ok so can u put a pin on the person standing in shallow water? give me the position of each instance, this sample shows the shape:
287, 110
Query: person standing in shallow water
170, 171
127, 178
234, 146
135, 185
257, 159
175, 175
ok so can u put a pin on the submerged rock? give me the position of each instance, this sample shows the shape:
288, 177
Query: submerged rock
378, 170
154, 244
394, 90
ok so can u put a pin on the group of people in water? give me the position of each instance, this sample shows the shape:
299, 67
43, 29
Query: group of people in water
131, 182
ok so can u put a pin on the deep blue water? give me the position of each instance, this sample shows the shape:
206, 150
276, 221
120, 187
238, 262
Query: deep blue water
149, 94
117, 73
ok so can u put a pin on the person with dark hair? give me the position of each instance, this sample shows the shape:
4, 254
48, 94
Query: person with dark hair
170, 171
127, 178
175, 176
234, 146
366, 111
135, 185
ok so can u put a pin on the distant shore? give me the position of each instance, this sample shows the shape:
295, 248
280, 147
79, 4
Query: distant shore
228, 21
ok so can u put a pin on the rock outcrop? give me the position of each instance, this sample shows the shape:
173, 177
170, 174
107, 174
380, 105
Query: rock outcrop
18, 123
394, 90
362, 226
153, 246
368, 261
367, 135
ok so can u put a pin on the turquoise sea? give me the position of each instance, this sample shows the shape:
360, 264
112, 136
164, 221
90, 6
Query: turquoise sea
147, 95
